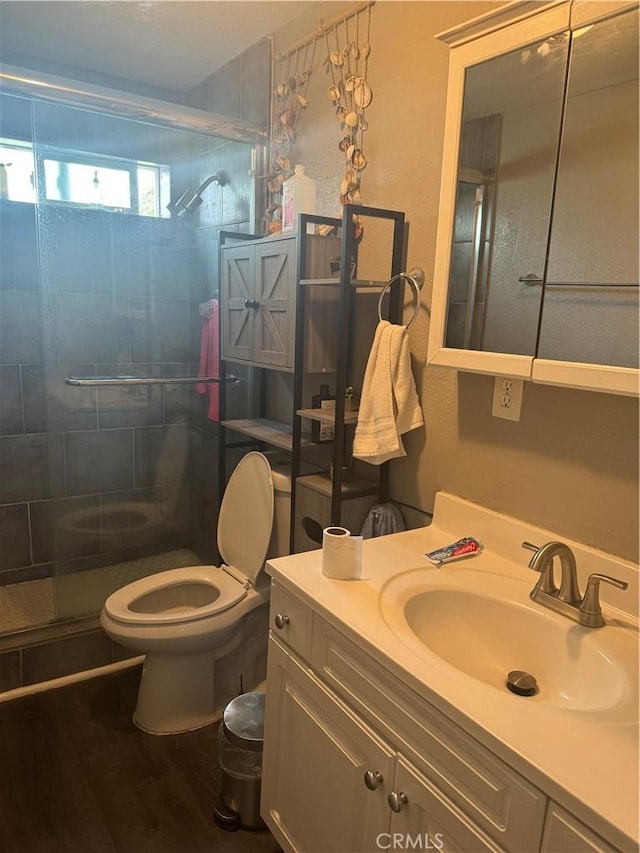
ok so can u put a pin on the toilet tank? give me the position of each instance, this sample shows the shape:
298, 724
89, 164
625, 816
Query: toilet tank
279, 545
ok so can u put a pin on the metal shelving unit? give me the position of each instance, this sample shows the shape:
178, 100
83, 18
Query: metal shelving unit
335, 486
295, 437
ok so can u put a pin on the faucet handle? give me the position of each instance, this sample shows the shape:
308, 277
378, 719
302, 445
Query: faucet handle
530, 547
590, 604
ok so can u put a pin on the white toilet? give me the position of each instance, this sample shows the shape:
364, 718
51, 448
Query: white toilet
185, 619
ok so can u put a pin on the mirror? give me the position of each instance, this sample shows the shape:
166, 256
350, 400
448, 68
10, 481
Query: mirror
544, 250
511, 119
590, 311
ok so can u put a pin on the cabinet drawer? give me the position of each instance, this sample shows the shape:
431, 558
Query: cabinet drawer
295, 621
497, 798
563, 833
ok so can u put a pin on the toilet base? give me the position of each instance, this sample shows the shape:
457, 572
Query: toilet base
177, 693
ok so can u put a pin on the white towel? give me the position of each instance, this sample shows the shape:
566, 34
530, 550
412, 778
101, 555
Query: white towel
389, 404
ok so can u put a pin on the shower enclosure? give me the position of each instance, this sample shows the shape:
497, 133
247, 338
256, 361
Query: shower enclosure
101, 275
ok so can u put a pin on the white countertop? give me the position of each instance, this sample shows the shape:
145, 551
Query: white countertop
585, 761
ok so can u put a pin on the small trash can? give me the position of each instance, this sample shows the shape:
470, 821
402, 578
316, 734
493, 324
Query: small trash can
240, 742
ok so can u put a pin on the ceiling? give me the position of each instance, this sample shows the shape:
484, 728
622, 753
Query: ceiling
172, 44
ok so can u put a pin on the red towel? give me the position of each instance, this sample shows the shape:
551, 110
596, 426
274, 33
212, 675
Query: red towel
210, 359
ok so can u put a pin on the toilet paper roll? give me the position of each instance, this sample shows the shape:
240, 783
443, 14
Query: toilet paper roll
341, 554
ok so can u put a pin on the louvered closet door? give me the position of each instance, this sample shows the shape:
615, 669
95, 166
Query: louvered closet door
275, 291
238, 292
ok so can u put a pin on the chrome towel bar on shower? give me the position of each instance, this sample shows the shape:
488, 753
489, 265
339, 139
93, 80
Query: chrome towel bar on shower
144, 380
415, 277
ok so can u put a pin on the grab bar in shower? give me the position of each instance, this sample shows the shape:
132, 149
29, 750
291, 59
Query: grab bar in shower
144, 380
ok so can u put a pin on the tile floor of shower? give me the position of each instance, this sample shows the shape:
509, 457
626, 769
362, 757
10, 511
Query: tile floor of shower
50, 628
33, 604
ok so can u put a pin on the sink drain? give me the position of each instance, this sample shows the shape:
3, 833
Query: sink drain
521, 683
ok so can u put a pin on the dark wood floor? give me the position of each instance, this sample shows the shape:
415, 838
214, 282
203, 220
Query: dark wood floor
76, 776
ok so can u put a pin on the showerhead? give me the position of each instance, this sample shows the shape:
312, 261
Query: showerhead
176, 208
187, 203
190, 201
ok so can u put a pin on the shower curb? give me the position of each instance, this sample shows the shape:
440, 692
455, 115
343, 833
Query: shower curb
65, 680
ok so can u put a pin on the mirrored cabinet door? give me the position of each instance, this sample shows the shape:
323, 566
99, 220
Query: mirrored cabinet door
591, 287
511, 117
537, 255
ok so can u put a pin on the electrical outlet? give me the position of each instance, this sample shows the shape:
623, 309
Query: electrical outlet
507, 398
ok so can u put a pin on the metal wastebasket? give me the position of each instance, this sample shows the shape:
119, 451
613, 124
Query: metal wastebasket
240, 742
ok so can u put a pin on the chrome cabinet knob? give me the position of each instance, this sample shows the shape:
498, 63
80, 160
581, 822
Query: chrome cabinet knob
397, 801
372, 779
281, 621
251, 303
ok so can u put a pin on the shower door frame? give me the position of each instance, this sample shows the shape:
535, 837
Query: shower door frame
24, 82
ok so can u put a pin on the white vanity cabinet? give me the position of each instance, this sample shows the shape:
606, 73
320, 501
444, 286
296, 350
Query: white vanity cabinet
369, 731
319, 757
352, 756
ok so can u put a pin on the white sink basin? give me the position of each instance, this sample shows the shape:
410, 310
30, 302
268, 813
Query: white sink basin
485, 626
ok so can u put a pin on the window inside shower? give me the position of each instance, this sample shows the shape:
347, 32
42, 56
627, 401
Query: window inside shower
84, 179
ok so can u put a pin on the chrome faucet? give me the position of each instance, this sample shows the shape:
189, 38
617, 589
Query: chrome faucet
586, 611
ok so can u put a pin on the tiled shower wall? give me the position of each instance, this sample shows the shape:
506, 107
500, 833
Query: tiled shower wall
80, 452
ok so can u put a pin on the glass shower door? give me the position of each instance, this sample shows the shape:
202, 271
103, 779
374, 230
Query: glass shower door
121, 282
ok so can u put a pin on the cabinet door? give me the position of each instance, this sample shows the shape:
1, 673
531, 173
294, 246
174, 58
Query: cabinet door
428, 821
314, 798
275, 292
237, 293
564, 833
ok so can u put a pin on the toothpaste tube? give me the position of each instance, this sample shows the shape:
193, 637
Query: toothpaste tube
466, 547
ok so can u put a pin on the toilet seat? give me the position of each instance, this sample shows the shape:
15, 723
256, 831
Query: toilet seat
200, 584
180, 596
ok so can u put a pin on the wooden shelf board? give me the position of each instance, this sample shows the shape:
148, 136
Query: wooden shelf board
352, 488
263, 429
360, 285
326, 417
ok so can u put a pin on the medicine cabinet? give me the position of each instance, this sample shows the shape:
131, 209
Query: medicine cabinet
536, 272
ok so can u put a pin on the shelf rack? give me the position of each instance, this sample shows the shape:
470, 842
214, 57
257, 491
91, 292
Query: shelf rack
339, 487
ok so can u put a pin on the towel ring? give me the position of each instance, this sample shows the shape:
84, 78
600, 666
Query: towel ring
415, 277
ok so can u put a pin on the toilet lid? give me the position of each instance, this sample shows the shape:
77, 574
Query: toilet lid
246, 516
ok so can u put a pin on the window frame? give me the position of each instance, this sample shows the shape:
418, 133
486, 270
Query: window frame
71, 156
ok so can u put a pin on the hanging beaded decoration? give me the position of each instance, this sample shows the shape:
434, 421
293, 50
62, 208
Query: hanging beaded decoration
293, 74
